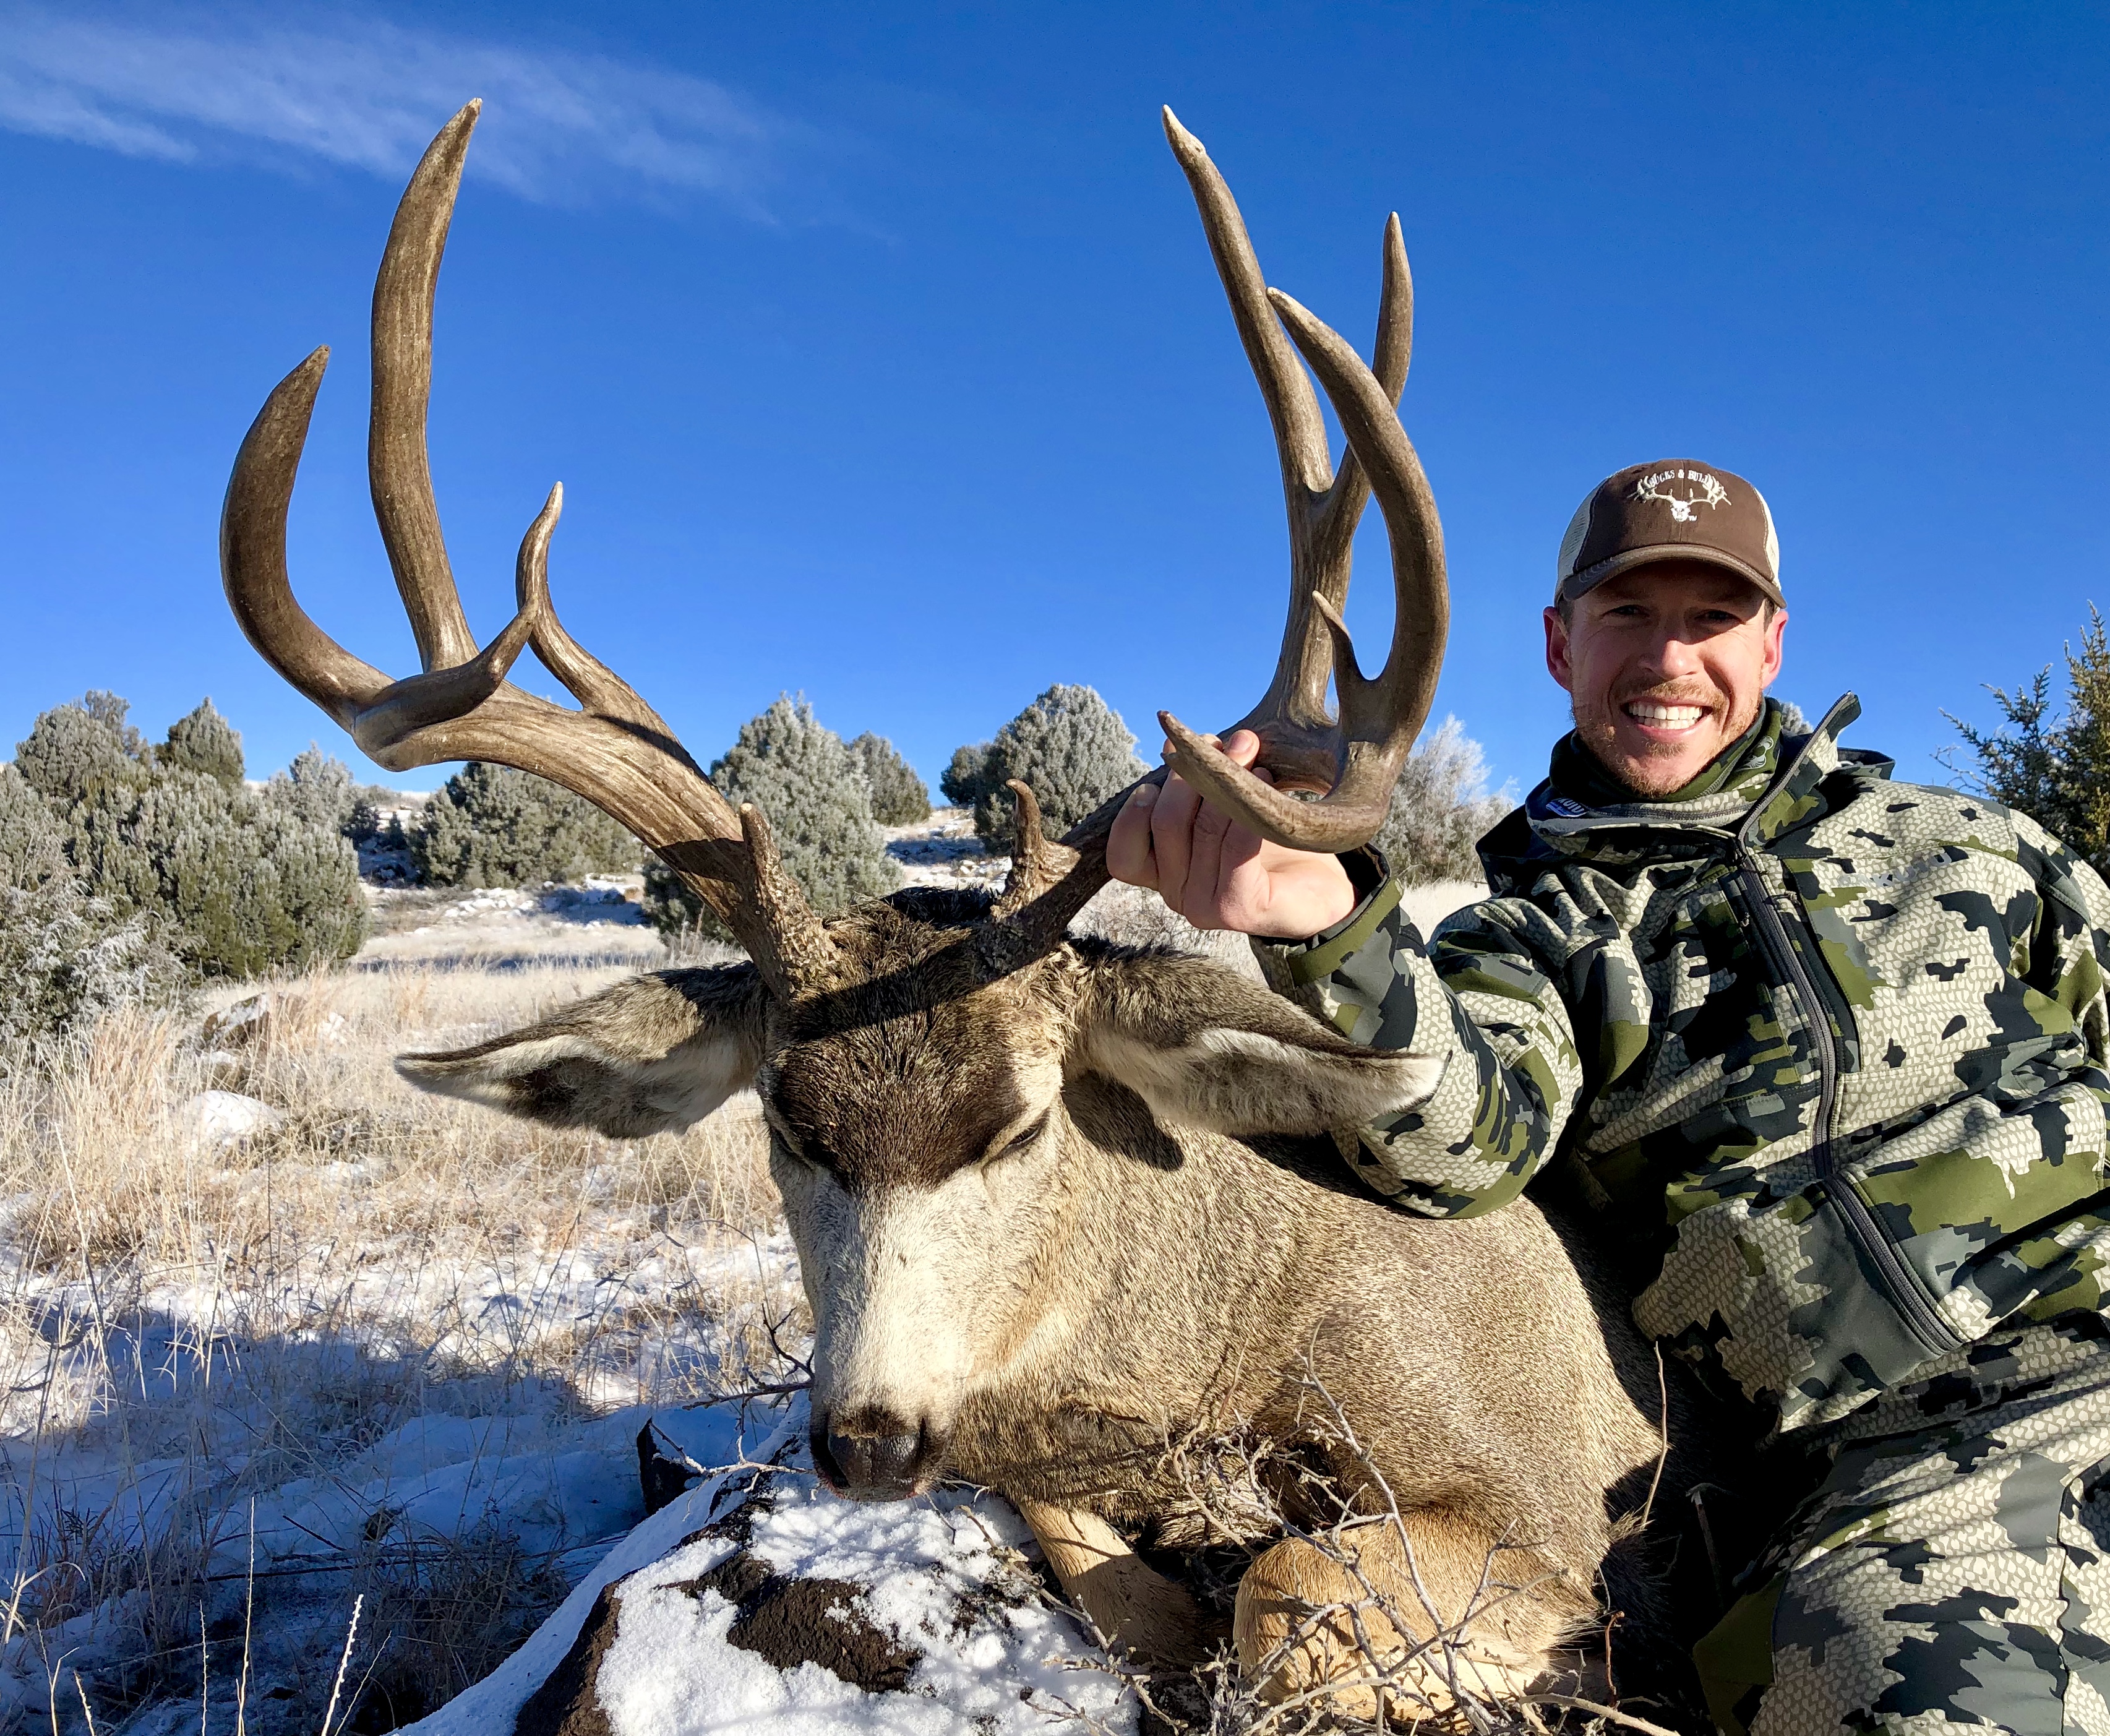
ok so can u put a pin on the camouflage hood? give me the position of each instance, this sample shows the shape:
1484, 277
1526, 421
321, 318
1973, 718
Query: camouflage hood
1823, 1055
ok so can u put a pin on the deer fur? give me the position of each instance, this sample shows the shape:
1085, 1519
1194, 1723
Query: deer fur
1051, 1221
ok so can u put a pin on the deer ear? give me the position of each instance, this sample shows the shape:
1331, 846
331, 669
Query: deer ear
655, 1053
1206, 1049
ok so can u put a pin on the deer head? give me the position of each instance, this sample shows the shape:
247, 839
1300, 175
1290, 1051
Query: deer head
915, 1056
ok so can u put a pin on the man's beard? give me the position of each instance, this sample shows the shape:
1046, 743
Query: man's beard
1655, 772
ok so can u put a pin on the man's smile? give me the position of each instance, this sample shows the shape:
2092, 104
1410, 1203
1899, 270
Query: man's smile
1664, 720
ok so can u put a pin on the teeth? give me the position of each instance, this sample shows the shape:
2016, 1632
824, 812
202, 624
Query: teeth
1652, 711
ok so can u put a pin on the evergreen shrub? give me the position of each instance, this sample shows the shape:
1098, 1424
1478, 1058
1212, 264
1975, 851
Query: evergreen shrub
73, 748
319, 787
65, 958
802, 776
242, 884
1070, 748
2053, 766
204, 742
964, 777
171, 850
491, 826
899, 796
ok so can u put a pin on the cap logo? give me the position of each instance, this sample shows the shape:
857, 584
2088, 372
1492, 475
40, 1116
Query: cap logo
1681, 491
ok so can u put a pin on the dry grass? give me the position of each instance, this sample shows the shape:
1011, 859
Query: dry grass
184, 1324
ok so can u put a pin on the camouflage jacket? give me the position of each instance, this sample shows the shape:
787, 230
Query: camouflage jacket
1827, 1055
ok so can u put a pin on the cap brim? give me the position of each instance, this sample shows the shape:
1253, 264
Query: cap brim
1627, 559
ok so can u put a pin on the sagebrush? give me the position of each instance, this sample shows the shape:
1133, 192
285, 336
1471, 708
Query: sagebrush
1441, 809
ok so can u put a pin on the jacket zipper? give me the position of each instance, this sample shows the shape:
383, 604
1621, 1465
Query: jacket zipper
1920, 1315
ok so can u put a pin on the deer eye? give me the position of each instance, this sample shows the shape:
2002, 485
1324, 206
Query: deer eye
1021, 1140
808, 1152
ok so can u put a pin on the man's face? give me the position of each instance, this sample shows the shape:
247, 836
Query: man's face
1666, 666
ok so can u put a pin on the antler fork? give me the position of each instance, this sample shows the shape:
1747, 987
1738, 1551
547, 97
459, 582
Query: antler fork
616, 751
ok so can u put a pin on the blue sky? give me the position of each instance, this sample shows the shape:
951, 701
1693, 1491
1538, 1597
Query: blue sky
879, 352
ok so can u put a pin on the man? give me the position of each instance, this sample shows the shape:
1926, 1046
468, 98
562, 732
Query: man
1826, 1057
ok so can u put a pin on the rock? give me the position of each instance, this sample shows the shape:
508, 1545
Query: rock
823, 1614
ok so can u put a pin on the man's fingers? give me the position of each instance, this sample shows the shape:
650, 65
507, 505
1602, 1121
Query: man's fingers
1202, 899
1172, 837
1129, 853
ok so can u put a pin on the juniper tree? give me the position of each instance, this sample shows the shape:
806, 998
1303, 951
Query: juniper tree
899, 796
967, 774
240, 883
1070, 748
205, 742
64, 959
72, 749
491, 826
319, 787
800, 774
2054, 767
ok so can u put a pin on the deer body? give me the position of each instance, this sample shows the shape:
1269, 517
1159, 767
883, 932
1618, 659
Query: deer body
1062, 1227
1062, 1210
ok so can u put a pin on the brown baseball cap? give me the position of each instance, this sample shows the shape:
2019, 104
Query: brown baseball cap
1675, 509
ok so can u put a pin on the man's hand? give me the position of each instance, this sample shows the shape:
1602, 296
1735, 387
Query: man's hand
1215, 872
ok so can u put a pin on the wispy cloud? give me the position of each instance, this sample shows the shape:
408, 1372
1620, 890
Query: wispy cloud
184, 86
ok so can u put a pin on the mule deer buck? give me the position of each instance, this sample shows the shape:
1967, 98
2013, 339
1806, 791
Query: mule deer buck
1057, 1202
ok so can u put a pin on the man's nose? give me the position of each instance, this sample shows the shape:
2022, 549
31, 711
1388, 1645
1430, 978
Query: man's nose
1676, 655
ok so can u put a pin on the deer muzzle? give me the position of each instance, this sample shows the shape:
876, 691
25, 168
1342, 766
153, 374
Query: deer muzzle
873, 1454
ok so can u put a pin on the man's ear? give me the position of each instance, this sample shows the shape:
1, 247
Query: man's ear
655, 1053
1206, 1049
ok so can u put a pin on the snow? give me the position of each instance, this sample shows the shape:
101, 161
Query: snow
947, 1577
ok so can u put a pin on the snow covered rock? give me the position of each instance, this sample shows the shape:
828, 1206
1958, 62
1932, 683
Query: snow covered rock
242, 1022
755, 1600
211, 1120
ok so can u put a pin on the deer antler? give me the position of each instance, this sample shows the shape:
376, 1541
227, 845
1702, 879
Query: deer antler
616, 752
1357, 757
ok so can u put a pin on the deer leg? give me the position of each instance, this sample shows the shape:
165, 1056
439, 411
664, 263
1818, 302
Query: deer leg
1136, 1607
1300, 1609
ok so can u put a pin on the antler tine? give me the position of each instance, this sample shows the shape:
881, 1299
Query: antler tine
1036, 865
616, 752
1300, 433
252, 554
397, 464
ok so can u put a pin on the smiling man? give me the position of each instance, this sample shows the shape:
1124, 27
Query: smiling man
1823, 1059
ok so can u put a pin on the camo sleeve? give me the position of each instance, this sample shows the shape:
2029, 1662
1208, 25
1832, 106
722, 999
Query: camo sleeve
1482, 996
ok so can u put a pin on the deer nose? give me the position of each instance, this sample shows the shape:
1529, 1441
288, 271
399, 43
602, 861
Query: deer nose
873, 1455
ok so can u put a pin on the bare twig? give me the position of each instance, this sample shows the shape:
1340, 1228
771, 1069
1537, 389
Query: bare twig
344, 1664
